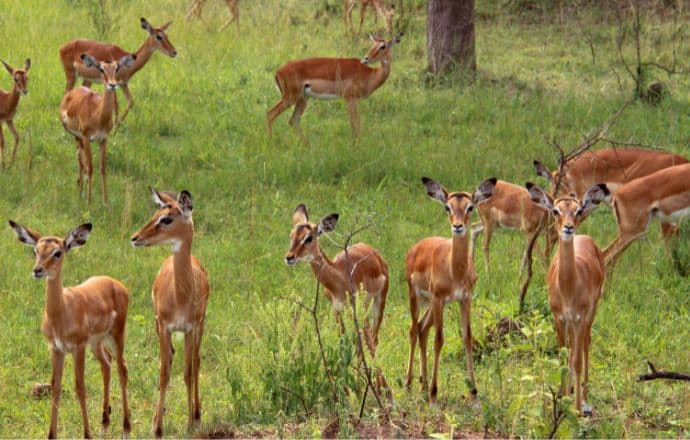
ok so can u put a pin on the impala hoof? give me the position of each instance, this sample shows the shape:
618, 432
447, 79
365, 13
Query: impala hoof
587, 410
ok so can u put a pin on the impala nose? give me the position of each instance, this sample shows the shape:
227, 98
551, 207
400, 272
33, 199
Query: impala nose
290, 260
38, 272
173, 53
365, 60
568, 229
458, 229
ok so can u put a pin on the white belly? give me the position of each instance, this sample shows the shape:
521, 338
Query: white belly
312, 94
674, 217
98, 136
459, 295
180, 324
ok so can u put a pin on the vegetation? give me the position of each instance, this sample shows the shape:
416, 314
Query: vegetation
198, 123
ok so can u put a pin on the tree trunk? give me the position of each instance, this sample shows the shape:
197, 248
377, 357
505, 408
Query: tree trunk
450, 36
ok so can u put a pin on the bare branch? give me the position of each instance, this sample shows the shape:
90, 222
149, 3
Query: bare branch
656, 374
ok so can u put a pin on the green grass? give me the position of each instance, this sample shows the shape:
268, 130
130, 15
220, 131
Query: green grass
199, 124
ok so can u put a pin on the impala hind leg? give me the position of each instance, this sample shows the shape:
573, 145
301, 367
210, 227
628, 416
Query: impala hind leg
414, 334
2, 148
425, 325
197, 365
465, 309
123, 374
105, 359
273, 113
164, 339
10, 124
130, 104
300, 106
80, 387
57, 359
437, 314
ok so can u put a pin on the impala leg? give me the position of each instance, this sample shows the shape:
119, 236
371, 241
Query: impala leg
70, 77
88, 164
488, 234
437, 314
105, 359
80, 387
197, 365
130, 103
57, 359
300, 106
188, 376
465, 309
86, 83
119, 341
425, 325
273, 113
104, 189
414, 334
10, 124
354, 116
616, 248
585, 383
80, 165
576, 366
362, 12
379, 307
165, 342
2, 148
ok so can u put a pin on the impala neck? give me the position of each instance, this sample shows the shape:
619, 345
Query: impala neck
55, 304
13, 97
566, 265
381, 74
182, 269
106, 106
327, 273
143, 55
459, 255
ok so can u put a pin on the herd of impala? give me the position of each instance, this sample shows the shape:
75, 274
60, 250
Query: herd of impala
639, 184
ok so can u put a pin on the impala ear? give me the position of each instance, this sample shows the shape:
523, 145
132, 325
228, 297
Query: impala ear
539, 196
435, 190
78, 236
543, 171
327, 224
484, 191
90, 61
25, 235
372, 38
27, 64
126, 61
184, 200
299, 215
8, 68
145, 25
165, 26
158, 198
595, 195
397, 38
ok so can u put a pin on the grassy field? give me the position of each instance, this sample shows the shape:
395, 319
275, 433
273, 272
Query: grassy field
199, 124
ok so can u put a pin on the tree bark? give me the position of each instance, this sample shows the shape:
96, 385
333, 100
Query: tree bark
450, 36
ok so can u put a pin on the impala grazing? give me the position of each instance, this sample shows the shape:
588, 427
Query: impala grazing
180, 296
197, 8
8, 106
380, 6
441, 270
664, 194
89, 117
331, 78
74, 65
510, 207
575, 280
92, 314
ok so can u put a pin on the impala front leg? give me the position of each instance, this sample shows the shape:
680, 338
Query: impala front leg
80, 388
58, 362
165, 342
104, 358
437, 315
104, 190
414, 334
16, 141
465, 308
354, 116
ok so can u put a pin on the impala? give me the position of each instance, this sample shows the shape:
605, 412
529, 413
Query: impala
8, 106
358, 267
575, 280
441, 270
89, 117
510, 207
330, 78
92, 314
180, 295
664, 194
197, 8
379, 5
74, 65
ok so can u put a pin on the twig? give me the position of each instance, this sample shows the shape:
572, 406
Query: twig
530, 248
558, 414
307, 413
656, 374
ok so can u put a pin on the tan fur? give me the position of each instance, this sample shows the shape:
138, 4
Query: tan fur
509, 207
70, 57
575, 283
180, 296
662, 193
380, 6
347, 78
8, 106
92, 313
442, 270
233, 6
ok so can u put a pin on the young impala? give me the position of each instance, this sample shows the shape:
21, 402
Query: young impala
74, 65
441, 270
180, 295
379, 5
197, 8
8, 106
92, 314
331, 78
509, 207
361, 267
89, 117
575, 280
664, 194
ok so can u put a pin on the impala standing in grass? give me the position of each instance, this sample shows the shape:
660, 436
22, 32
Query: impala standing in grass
92, 314
332, 78
575, 281
180, 296
8, 105
440, 270
74, 65
379, 5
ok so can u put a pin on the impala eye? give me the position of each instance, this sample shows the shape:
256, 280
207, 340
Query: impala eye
555, 211
159, 38
309, 239
469, 208
382, 47
448, 209
165, 220
57, 254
